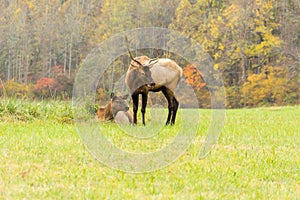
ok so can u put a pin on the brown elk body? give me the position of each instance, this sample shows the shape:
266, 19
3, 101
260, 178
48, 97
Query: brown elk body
159, 74
104, 113
116, 108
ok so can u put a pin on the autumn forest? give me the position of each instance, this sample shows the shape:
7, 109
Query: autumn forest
255, 44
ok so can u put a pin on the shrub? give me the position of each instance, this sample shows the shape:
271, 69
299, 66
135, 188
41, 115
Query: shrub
59, 86
267, 88
63, 87
45, 87
14, 89
233, 97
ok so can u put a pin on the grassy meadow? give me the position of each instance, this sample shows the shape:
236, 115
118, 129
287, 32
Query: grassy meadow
43, 157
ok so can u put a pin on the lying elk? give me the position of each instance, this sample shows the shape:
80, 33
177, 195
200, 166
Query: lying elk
116, 109
158, 74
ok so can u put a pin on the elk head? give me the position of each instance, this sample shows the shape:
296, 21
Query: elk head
118, 103
140, 69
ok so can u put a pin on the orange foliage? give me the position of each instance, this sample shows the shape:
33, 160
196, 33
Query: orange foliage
193, 77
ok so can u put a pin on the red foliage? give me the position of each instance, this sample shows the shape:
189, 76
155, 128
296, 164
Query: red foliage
44, 83
57, 86
57, 71
45, 87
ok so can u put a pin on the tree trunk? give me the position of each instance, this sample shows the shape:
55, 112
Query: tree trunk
70, 56
65, 56
9, 64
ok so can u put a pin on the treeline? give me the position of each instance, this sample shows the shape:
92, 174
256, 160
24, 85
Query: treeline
254, 44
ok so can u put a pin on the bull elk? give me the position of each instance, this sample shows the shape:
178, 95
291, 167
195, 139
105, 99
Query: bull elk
154, 75
117, 109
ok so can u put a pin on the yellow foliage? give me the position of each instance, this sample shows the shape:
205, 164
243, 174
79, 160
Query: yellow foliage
29, 4
12, 88
215, 31
17, 11
231, 10
221, 46
216, 66
268, 87
232, 15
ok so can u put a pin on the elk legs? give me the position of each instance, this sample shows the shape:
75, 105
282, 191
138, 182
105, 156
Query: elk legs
172, 105
135, 101
175, 108
144, 104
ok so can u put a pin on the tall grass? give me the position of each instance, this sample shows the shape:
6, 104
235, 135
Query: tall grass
14, 109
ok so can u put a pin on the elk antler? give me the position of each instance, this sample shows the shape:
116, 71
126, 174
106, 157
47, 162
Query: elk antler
153, 59
152, 62
131, 57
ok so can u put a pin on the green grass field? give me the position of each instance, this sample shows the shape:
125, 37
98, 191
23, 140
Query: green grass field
257, 157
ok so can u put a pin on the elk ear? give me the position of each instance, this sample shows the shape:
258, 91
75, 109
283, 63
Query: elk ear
112, 95
125, 96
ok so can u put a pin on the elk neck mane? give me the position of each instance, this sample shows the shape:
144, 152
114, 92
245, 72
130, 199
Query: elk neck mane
170, 64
